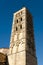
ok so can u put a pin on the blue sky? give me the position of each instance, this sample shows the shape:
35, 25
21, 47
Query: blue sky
7, 8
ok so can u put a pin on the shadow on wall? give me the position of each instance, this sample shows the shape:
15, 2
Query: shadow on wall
3, 59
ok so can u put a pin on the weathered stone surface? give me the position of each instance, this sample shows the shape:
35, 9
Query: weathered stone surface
22, 47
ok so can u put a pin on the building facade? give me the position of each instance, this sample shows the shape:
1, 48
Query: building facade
22, 47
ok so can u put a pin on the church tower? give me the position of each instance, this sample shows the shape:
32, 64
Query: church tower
22, 48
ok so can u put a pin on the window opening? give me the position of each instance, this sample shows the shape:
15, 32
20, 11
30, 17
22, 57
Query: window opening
17, 20
20, 26
21, 19
16, 29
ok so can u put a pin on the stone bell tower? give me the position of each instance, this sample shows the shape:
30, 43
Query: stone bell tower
22, 48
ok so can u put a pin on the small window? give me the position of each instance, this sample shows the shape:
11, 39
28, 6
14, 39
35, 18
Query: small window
21, 19
17, 20
16, 29
20, 26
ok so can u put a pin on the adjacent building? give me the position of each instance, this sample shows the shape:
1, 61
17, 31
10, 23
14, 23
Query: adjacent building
3, 56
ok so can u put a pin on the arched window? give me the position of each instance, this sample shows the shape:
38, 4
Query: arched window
17, 20
21, 19
20, 26
16, 28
